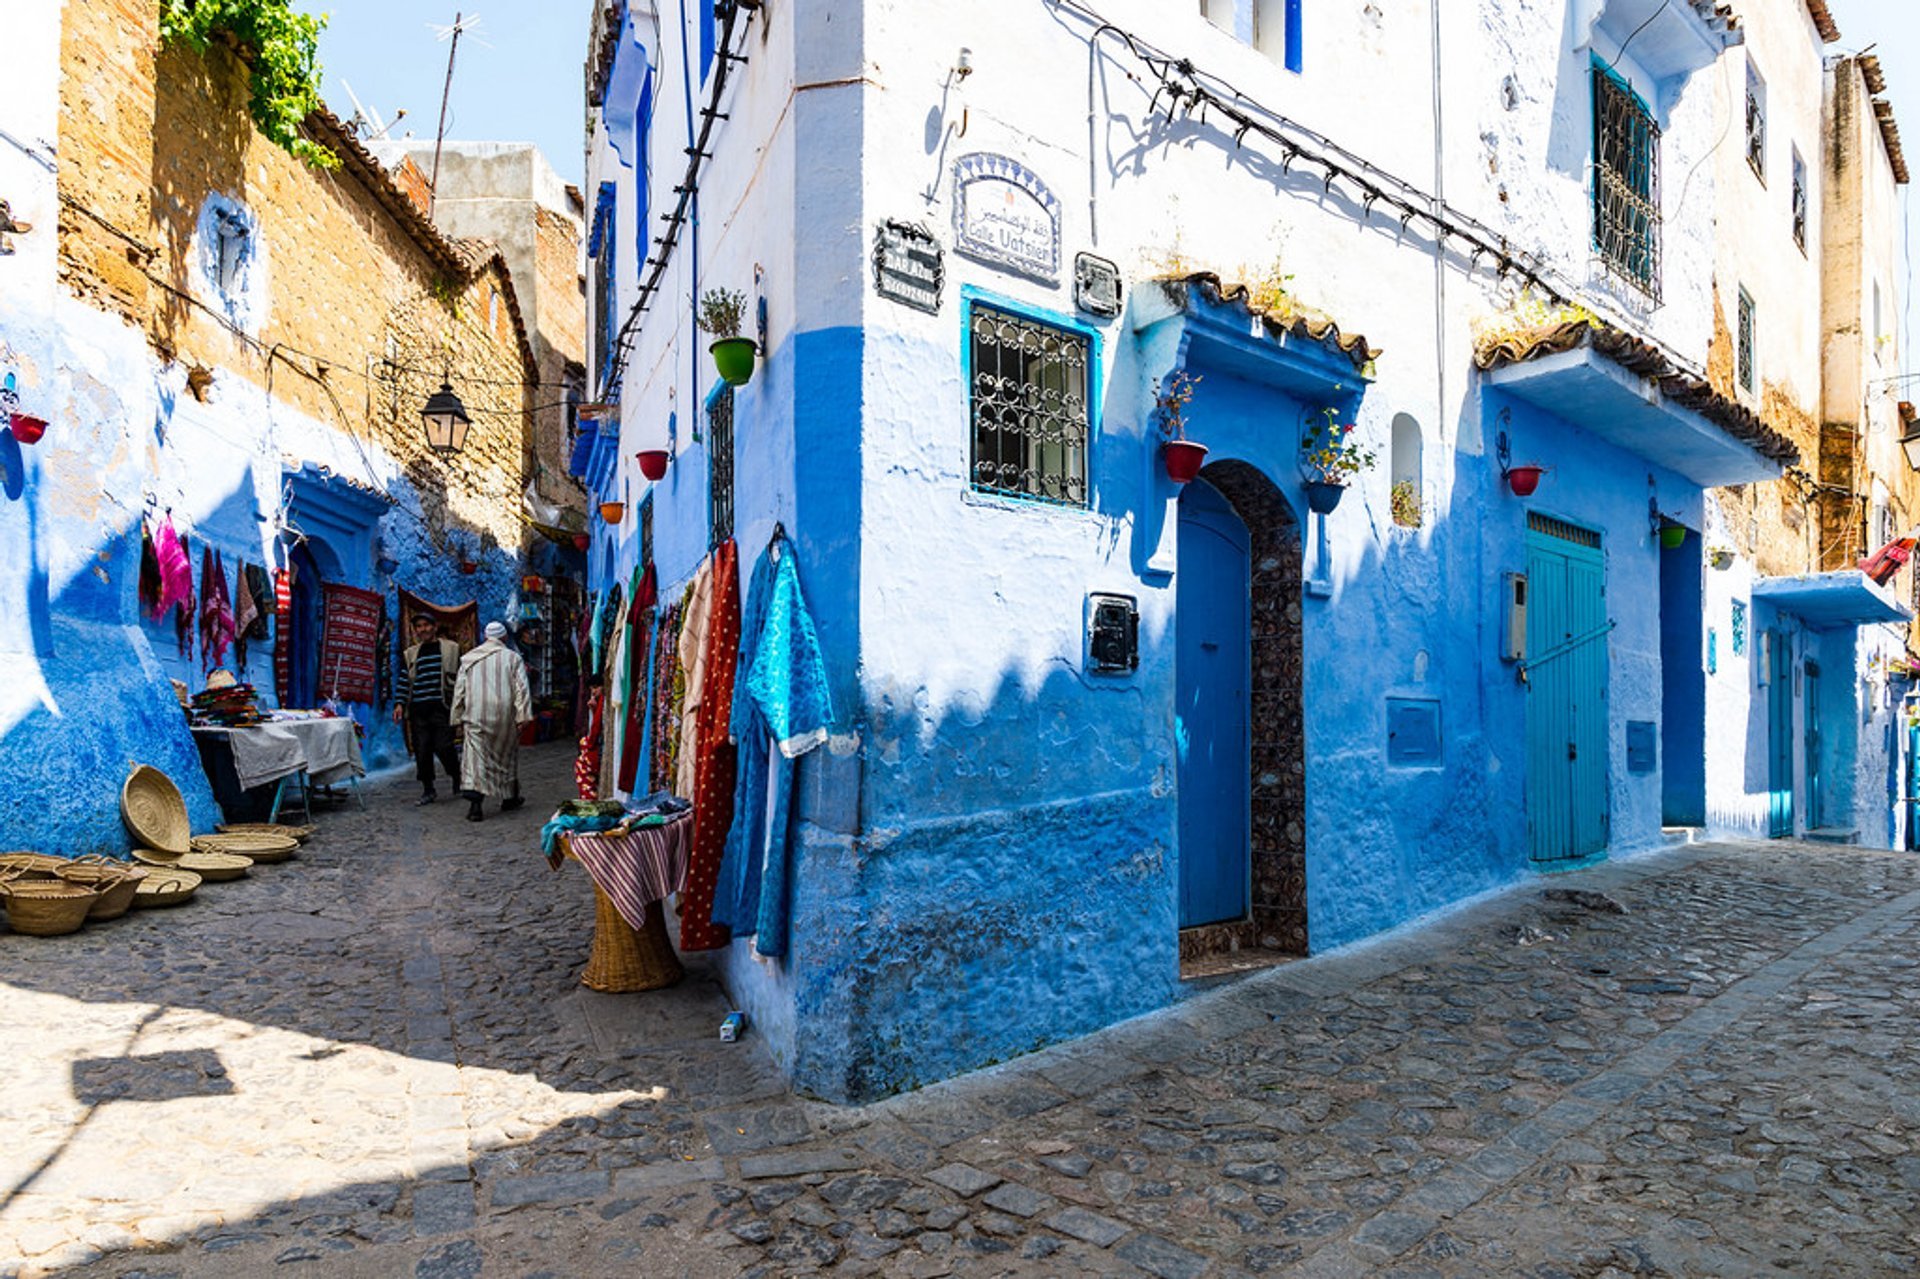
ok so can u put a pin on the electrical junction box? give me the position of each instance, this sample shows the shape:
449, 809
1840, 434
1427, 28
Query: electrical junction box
1513, 635
1113, 634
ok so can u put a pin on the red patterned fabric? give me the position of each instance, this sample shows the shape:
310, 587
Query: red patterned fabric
645, 865
714, 767
348, 642
639, 638
586, 765
282, 623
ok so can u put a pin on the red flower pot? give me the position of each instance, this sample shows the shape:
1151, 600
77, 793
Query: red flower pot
28, 429
1523, 480
1183, 459
581, 541
653, 463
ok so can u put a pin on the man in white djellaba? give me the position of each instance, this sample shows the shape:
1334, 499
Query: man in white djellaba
492, 699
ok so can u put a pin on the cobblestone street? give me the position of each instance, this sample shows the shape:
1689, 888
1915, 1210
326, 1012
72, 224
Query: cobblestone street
376, 1060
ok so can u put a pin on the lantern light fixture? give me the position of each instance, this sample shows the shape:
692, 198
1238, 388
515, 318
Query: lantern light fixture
1910, 434
446, 421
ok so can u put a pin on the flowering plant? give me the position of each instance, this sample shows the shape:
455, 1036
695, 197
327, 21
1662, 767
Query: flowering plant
1329, 449
1170, 399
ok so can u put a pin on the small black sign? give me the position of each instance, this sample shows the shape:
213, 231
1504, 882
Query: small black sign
1096, 284
1113, 634
908, 265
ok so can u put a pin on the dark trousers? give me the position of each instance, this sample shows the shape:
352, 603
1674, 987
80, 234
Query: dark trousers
432, 737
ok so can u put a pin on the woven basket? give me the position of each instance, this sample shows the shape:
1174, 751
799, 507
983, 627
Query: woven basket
30, 865
260, 847
114, 881
46, 907
622, 959
165, 886
151, 806
212, 867
300, 834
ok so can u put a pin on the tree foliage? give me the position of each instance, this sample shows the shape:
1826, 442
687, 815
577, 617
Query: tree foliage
281, 47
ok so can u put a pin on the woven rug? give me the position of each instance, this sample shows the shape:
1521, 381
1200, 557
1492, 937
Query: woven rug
347, 642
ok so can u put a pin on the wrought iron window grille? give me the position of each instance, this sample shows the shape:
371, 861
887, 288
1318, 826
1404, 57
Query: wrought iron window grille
646, 529
1743, 343
1756, 124
1626, 184
720, 467
1800, 202
1030, 407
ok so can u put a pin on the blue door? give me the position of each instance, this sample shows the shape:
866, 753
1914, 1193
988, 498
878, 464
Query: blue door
1779, 735
1567, 632
1812, 713
1212, 713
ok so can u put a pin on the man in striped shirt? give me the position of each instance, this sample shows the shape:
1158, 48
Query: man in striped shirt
424, 693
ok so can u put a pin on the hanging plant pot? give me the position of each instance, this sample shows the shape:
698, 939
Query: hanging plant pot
1183, 459
1720, 557
653, 463
386, 565
613, 512
28, 429
1523, 480
581, 541
1324, 495
733, 358
469, 567
1673, 536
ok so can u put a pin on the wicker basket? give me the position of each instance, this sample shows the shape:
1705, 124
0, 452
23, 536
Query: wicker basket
622, 958
151, 806
261, 848
114, 881
30, 865
165, 886
300, 834
46, 907
212, 867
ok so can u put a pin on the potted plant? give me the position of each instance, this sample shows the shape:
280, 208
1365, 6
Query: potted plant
1673, 536
720, 314
1183, 457
1721, 557
1524, 479
1408, 510
27, 428
1332, 457
653, 463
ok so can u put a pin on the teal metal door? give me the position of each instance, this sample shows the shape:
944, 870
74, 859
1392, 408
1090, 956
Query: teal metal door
1567, 632
1811, 703
1213, 676
1779, 735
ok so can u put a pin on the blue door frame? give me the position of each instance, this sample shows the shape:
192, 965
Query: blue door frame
1811, 729
1213, 712
1779, 734
1567, 631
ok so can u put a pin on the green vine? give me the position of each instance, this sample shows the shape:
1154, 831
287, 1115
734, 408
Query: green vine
281, 47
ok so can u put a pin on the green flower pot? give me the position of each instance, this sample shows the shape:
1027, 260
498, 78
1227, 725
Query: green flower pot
1673, 536
733, 357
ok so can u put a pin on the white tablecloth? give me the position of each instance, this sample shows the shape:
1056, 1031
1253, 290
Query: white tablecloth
328, 749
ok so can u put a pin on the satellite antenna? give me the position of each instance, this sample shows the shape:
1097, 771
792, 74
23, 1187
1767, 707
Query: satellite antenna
366, 115
452, 35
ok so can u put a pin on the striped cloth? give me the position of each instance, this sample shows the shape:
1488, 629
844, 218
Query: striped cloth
645, 865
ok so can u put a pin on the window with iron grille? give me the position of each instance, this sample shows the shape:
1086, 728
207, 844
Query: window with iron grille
1626, 183
1743, 343
1030, 407
646, 529
1757, 123
720, 466
600, 249
1799, 200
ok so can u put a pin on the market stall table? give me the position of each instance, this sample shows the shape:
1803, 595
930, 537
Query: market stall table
633, 870
322, 750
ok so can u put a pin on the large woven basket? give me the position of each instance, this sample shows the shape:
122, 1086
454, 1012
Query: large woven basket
46, 907
300, 834
155, 815
211, 867
114, 881
30, 865
261, 848
165, 886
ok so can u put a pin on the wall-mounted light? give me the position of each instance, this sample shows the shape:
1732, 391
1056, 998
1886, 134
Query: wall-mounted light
963, 64
1910, 434
446, 420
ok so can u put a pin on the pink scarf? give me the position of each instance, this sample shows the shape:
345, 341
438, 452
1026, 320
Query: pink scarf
176, 575
216, 614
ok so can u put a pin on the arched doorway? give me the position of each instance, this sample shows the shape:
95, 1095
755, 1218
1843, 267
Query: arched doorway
307, 561
1242, 765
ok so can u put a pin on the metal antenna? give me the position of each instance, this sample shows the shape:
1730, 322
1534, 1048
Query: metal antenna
366, 115
452, 34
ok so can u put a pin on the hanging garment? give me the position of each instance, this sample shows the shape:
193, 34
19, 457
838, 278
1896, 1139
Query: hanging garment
349, 642
282, 633
667, 685
149, 589
616, 710
713, 763
491, 698
782, 708
695, 623
457, 622
216, 613
184, 617
586, 765
245, 612
176, 571
594, 631
639, 650
260, 587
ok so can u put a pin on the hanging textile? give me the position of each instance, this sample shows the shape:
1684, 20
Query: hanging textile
261, 588
639, 650
781, 710
216, 613
184, 619
713, 763
695, 622
458, 622
176, 571
245, 611
666, 682
150, 589
348, 642
282, 633
586, 765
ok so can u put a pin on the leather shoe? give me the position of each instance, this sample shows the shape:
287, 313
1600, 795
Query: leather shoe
425, 799
508, 805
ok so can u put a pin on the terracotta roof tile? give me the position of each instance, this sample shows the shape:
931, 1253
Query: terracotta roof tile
1646, 360
1313, 327
1822, 20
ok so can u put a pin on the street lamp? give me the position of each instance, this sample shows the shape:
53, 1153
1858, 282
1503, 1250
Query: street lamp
446, 421
1910, 434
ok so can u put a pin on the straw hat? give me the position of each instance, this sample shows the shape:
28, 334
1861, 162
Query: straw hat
155, 815
221, 678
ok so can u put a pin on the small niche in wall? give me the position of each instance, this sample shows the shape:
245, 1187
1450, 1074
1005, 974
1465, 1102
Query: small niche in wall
1413, 732
1408, 495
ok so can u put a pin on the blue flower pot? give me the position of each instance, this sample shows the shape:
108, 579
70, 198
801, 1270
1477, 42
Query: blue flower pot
1324, 495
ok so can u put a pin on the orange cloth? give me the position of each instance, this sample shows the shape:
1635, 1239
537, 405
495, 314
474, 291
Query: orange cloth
713, 763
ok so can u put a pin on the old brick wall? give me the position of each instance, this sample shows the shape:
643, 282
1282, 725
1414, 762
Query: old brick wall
559, 343
362, 320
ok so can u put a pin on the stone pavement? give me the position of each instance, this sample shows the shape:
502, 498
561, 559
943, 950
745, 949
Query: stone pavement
376, 1060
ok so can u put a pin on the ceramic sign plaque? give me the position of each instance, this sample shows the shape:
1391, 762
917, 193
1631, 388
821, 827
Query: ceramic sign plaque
908, 265
1004, 215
